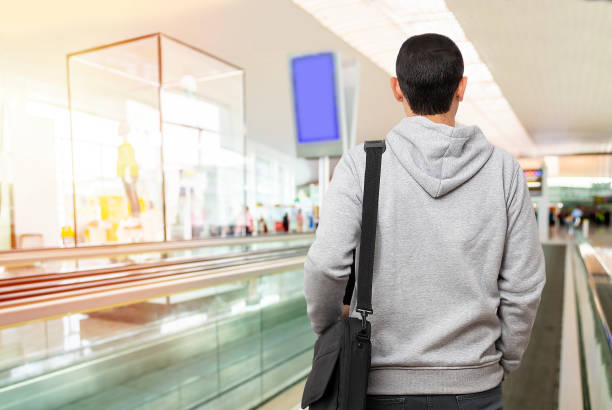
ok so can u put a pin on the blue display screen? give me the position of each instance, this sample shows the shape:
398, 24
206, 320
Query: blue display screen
314, 93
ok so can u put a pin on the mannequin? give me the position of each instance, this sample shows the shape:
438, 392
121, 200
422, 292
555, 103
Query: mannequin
127, 169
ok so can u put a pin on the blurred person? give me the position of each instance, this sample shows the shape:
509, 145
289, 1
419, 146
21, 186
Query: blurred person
197, 215
560, 218
454, 299
573, 220
577, 216
551, 216
234, 227
286, 222
249, 221
180, 221
569, 223
263, 227
300, 220
599, 217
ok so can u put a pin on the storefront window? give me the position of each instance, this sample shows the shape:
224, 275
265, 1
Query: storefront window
151, 147
202, 110
157, 139
116, 142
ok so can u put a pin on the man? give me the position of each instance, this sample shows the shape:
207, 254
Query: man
458, 269
249, 221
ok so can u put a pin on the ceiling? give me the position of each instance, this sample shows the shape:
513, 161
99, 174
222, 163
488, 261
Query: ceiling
553, 61
538, 71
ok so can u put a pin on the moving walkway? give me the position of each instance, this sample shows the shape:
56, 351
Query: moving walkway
225, 330
593, 291
225, 327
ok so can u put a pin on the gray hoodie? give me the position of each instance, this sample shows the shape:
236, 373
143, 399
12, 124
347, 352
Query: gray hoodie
458, 268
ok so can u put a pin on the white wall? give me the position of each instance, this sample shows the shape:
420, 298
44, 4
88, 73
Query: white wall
258, 36
35, 185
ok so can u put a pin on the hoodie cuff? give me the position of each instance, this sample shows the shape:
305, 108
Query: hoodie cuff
509, 365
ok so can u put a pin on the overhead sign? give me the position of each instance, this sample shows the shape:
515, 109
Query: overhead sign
534, 180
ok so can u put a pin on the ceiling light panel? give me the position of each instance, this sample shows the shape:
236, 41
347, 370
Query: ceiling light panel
377, 28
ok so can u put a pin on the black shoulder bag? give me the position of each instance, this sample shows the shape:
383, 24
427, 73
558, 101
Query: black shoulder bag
339, 375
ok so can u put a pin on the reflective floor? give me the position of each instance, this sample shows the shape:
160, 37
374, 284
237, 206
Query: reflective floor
535, 385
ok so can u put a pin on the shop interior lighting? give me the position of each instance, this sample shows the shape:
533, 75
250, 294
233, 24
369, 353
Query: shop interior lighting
377, 29
577, 182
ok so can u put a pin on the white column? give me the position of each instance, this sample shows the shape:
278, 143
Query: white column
35, 185
323, 177
543, 205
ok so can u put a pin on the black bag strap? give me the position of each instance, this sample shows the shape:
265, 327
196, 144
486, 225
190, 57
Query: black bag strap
369, 215
350, 285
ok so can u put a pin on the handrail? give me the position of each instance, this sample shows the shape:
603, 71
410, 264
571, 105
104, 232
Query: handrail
25, 256
40, 278
595, 266
10, 292
593, 325
48, 306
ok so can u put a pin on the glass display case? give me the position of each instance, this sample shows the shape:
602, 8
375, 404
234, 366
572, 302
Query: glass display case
157, 136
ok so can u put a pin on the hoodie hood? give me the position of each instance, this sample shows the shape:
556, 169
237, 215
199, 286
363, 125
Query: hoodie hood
439, 157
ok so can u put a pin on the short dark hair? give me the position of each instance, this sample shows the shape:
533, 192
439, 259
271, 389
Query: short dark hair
429, 68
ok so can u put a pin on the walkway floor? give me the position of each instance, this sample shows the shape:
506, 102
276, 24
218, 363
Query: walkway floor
536, 384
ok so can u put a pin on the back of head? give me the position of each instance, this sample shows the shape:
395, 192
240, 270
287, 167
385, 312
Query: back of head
429, 68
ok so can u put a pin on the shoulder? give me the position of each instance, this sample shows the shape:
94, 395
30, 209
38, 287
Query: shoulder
354, 159
356, 155
511, 173
509, 165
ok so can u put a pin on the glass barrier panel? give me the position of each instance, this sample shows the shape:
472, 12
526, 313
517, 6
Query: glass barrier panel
227, 346
594, 341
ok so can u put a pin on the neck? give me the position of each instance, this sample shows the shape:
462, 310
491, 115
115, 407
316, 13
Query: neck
447, 118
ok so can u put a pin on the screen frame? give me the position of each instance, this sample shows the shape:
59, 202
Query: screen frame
318, 149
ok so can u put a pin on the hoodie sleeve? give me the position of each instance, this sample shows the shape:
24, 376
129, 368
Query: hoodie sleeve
328, 263
522, 275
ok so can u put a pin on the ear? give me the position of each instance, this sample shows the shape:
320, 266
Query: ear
461, 89
397, 91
